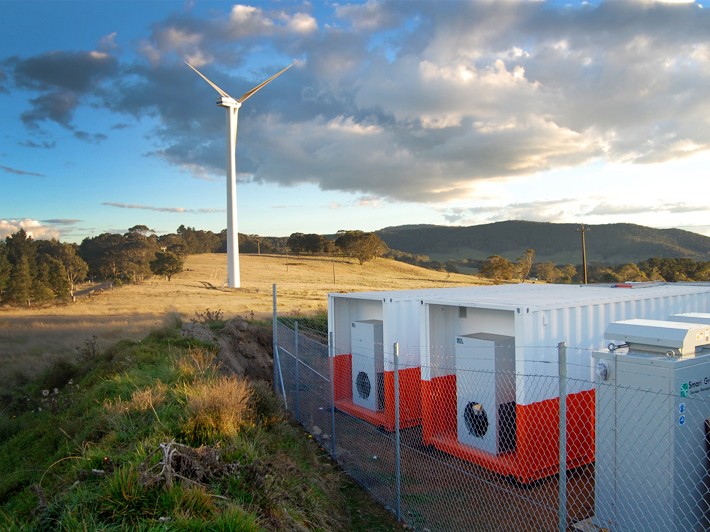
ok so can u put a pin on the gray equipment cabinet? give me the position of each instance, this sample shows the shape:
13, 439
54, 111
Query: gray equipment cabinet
653, 403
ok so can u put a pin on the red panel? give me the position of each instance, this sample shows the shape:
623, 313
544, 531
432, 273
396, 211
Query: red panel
536, 440
409, 400
428, 426
343, 368
438, 408
537, 436
580, 428
374, 418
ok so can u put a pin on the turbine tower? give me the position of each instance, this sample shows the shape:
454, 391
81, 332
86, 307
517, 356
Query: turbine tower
232, 107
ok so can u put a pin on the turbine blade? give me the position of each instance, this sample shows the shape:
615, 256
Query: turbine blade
215, 87
252, 92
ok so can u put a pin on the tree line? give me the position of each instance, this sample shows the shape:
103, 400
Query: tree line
653, 269
39, 271
42, 271
353, 244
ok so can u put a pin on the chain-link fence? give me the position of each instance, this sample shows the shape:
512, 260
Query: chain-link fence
478, 445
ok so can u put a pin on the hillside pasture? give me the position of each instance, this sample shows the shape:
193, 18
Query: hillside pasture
32, 338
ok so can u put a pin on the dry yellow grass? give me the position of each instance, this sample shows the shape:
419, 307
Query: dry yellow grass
30, 338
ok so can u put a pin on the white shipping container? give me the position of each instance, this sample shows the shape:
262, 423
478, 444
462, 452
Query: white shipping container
539, 317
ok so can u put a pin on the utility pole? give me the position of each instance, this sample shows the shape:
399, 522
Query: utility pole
582, 229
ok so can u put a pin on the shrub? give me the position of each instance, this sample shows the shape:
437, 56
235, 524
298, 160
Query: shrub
217, 409
58, 375
198, 362
125, 500
267, 406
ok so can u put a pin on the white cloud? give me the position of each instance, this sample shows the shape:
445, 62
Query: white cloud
302, 23
33, 228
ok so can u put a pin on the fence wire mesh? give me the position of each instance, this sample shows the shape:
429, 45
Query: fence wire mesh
479, 442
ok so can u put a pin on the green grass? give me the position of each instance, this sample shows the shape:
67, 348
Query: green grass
83, 447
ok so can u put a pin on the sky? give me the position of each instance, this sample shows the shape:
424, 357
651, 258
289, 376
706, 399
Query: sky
404, 112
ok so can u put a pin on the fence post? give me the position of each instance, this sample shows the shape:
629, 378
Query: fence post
398, 465
297, 377
274, 340
562, 495
331, 367
278, 375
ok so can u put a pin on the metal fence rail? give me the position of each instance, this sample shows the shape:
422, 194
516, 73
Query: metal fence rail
446, 472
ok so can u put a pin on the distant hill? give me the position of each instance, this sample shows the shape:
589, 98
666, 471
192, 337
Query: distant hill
558, 243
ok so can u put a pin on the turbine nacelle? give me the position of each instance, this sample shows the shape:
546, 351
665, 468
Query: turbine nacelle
226, 101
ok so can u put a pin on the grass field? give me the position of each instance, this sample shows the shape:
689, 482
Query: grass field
30, 338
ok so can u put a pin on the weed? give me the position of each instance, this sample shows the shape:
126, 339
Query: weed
217, 409
90, 349
236, 519
198, 362
141, 400
268, 407
125, 500
211, 318
149, 398
58, 375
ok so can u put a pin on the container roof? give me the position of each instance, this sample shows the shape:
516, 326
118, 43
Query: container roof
532, 296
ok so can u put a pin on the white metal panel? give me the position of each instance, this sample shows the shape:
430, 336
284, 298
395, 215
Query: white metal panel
342, 311
402, 325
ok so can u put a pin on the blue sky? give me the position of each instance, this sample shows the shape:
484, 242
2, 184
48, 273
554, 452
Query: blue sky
451, 113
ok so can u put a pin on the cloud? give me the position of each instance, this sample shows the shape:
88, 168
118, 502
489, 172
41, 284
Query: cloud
62, 221
626, 209
33, 228
418, 102
65, 80
3, 81
77, 72
536, 211
178, 210
94, 138
16, 171
410, 101
108, 42
228, 37
46, 145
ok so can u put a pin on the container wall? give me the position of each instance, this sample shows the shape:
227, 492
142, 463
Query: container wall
342, 311
582, 329
446, 322
402, 325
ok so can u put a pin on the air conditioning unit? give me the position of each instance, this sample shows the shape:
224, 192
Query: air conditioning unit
485, 390
367, 364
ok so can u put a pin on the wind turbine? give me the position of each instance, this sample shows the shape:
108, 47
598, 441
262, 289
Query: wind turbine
232, 106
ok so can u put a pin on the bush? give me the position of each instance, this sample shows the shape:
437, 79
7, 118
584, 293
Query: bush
267, 406
217, 409
58, 375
